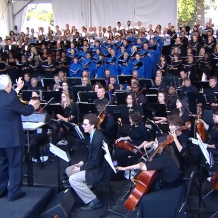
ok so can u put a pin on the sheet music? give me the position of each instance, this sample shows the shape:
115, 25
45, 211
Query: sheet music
107, 156
204, 149
32, 125
58, 152
76, 127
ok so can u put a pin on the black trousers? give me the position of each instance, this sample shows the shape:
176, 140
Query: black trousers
37, 140
11, 169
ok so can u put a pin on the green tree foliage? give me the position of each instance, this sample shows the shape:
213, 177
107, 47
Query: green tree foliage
41, 14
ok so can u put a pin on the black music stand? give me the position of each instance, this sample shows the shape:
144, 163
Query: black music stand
80, 88
26, 94
119, 111
86, 108
125, 79
87, 96
47, 82
74, 81
98, 80
152, 91
194, 99
172, 81
152, 98
148, 83
121, 97
201, 85
54, 108
46, 96
154, 110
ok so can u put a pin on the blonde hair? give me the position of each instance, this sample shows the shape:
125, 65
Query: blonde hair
68, 100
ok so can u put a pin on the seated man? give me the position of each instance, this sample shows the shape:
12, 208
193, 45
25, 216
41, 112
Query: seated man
101, 96
159, 84
92, 169
188, 87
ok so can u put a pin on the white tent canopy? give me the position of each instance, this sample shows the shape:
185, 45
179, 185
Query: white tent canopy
96, 12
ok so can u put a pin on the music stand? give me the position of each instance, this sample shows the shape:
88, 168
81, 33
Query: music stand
152, 98
201, 84
98, 80
121, 97
81, 88
119, 111
86, 108
74, 81
46, 96
54, 108
171, 81
194, 99
125, 79
153, 91
26, 94
148, 83
154, 110
47, 82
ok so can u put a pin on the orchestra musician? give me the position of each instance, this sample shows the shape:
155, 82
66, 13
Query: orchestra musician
137, 135
139, 96
188, 87
96, 86
40, 137
70, 115
12, 138
172, 97
171, 187
92, 168
101, 96
212, 143
159, 84
211, 90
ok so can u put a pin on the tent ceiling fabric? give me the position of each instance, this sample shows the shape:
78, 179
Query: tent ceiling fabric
105, 13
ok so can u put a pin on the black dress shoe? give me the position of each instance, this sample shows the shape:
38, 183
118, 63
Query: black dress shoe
4, 193
92, 205
21, 195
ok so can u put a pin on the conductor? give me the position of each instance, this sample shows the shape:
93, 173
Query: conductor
12, 138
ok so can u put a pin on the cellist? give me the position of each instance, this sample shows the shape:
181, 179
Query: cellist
212, 143
167, 199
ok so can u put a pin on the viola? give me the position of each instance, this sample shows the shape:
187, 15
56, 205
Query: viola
214, 181
200, 126
129, 147
144, 179
143, 89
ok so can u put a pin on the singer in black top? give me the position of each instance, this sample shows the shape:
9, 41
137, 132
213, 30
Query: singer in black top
166, 200
70, 115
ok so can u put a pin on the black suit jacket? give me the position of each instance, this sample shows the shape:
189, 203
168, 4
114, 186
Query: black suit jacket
95, 165
11, 129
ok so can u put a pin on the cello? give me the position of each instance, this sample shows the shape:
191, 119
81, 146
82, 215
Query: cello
144, 179
200, 126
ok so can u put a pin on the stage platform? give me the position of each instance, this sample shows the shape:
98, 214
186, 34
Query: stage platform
28, 207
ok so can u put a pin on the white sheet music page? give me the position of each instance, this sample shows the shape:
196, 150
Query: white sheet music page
32, 125
58, 152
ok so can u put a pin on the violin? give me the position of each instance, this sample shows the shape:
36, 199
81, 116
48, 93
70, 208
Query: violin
143, 89
129, 147
144, 179
187, 126
101, 116
200, 126
214, 181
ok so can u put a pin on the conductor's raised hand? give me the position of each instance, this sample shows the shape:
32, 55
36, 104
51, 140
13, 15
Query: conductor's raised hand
20, 83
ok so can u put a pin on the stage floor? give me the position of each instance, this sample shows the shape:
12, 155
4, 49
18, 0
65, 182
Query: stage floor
48, 178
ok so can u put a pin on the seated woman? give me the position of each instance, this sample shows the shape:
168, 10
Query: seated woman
138, 134
96, 86
70, 115
40, 137
36, 94
168, 199
132, 105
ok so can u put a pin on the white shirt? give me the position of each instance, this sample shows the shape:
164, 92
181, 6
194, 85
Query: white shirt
120, 28
167, 37
129, 27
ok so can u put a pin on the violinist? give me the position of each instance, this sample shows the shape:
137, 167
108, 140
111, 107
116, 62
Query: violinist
101, 96
40, 137
106, 121
212, 143
180, 139
172, 97
137, 135
210, 91
188, 87
96, 86
169, 195
158, 84
139, 96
